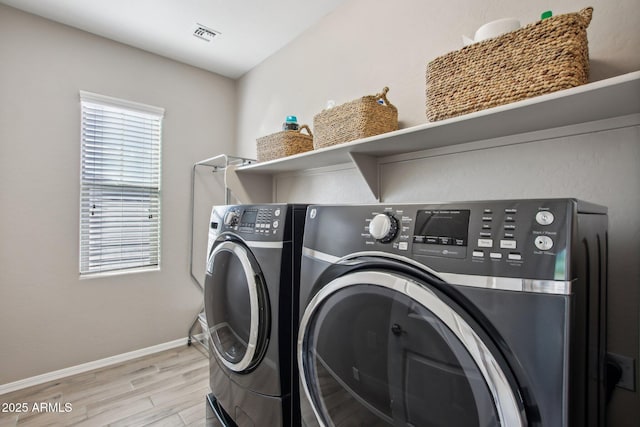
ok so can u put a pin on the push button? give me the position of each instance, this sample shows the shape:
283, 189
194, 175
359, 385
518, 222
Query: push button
544, 243
495, 255
544, 218
485, 243
507, 244
478, 254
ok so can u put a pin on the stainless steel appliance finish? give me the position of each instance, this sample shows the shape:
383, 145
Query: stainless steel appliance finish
251, 304
488, 313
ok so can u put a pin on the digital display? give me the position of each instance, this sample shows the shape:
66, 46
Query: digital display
249, 217
442, 227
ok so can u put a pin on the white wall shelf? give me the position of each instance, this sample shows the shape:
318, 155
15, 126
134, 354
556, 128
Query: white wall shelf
605, 99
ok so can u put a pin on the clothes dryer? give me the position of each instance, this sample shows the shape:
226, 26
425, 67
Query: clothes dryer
251, 304
486, 313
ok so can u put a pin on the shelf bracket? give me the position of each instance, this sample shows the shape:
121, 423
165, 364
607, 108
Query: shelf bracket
367, 165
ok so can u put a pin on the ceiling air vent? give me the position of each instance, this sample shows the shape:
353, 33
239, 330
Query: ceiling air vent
205, 33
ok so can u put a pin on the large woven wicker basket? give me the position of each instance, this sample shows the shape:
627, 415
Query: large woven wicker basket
355, 119
285, 143
540, 58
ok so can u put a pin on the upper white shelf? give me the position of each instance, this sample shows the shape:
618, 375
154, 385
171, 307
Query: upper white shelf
614, 97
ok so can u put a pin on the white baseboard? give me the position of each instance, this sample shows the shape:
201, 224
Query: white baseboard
96, 364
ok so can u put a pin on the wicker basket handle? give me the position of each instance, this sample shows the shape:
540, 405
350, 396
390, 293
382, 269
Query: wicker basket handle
303, 127
383, 96
585, 15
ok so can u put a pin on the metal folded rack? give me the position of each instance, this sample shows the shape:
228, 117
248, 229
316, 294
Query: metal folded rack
217, 164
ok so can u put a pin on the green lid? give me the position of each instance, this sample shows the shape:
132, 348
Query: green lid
291, 119
546, 15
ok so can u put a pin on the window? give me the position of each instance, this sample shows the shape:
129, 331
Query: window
120, 185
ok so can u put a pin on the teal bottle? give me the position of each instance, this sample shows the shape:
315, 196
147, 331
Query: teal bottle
290, 123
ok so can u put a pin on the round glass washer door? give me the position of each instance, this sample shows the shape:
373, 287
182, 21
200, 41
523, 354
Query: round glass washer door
378, 349
236, 306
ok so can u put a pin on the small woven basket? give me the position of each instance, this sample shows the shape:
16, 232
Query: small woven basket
540, 58
355, 119
284, 143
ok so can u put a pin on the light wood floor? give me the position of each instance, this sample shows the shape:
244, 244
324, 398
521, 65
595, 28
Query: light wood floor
163, 389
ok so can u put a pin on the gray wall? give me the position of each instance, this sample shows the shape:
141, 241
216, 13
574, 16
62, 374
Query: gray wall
367, 44
49, 318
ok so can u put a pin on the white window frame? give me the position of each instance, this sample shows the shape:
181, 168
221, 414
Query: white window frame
107, 182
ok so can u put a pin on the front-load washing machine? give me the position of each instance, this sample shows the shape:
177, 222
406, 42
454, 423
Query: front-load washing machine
251, 304
483, 314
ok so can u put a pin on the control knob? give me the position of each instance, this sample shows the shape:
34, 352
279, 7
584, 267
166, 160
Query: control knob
383, 227
231, 218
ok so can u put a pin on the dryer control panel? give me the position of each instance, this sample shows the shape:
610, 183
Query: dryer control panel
510, 238
253, 219
251, 222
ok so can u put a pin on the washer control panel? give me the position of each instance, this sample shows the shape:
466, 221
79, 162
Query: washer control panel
526, 238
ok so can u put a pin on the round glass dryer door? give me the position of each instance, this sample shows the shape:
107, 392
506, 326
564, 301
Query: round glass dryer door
236, 306
378, 349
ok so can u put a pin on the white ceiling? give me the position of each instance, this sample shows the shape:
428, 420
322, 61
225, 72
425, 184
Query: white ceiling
250, 30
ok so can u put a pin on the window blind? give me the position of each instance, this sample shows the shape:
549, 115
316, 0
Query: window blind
120, 185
